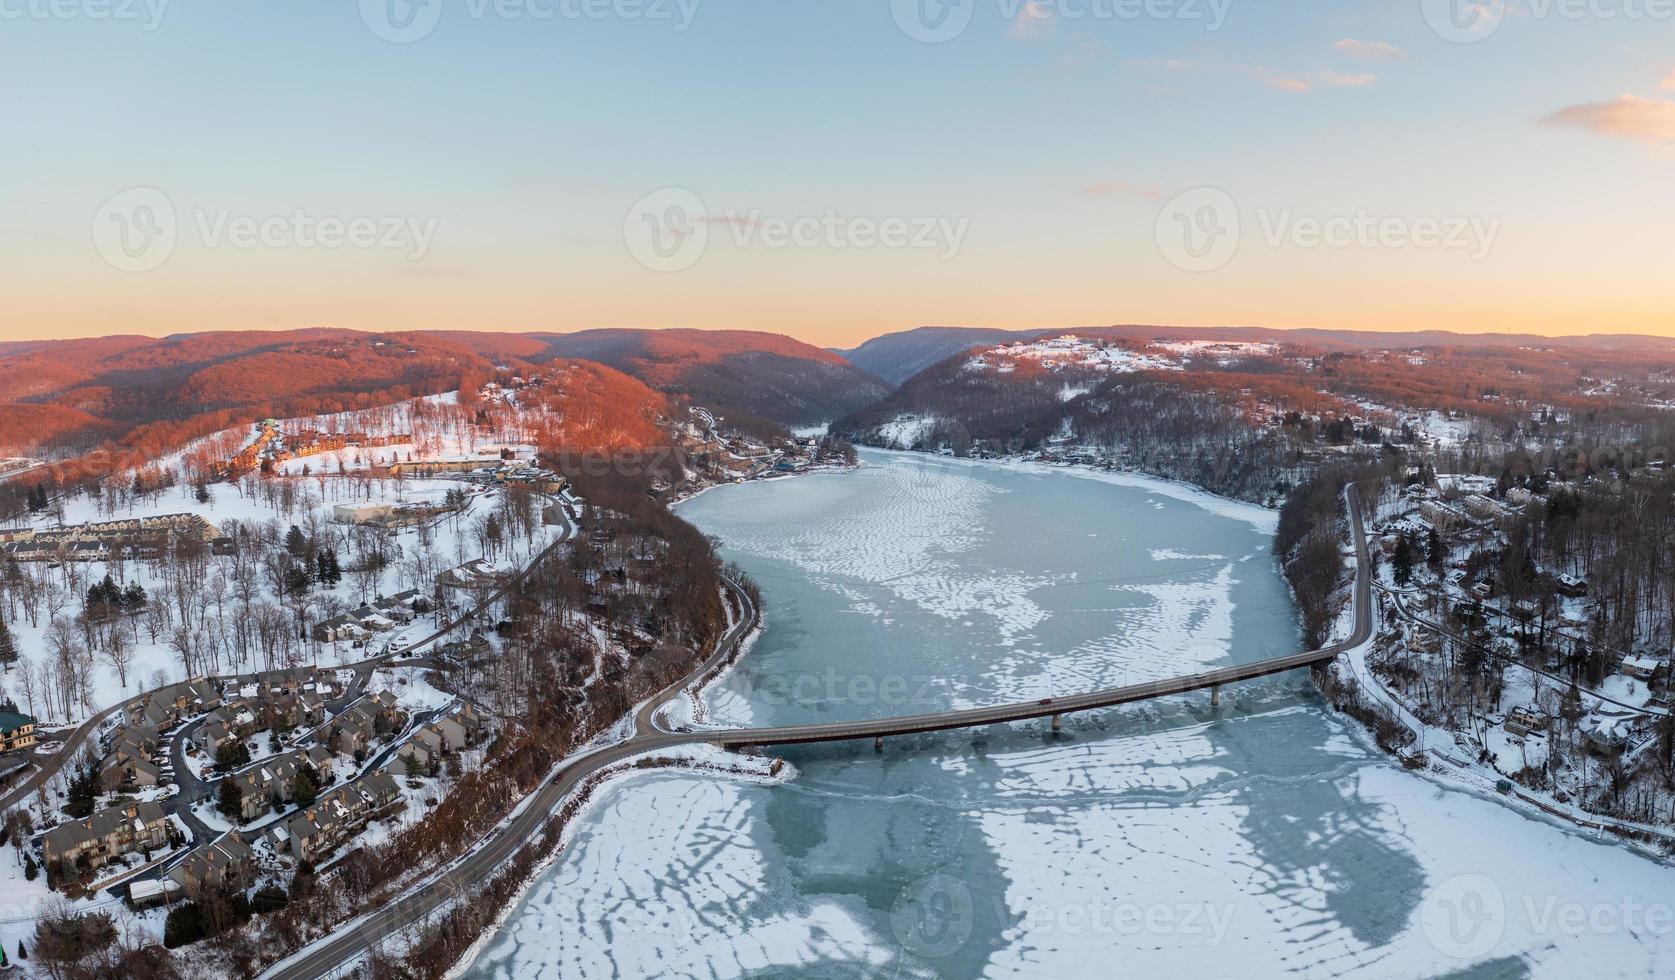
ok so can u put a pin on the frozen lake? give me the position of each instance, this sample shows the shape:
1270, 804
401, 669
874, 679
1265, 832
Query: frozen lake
1263, 838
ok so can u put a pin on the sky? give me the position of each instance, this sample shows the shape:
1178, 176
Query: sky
836, 170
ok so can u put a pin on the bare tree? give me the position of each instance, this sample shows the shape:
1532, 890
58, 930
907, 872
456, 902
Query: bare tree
119, 654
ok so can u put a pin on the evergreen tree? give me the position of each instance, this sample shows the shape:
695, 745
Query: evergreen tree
200, 492
8, 646
229, 799
306, 787
1435, 554
133, 598
297, 580
296, 542
22, 952
1402, 560
326, 568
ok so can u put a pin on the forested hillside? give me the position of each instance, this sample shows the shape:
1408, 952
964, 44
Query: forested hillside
760, 374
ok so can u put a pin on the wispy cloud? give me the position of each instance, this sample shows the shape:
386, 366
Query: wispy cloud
1319, 79
1369, 50
1120, 188
1279, 79
1630, 116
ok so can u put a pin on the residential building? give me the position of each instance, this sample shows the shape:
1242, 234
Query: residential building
277, 776
17, 730
338, 815
1525, 721
222, 864
107, 834
1643, 667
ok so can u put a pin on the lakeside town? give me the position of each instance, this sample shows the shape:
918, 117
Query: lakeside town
223, 673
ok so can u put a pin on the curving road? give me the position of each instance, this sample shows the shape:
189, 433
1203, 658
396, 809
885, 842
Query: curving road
476, 866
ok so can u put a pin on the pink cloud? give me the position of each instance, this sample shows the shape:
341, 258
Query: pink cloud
1650, 120
1326, 79
1370, 50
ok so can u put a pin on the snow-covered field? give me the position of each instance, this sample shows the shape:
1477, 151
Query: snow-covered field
415, 555
1070, 351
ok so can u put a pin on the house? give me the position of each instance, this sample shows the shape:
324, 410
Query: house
226, 725
213, 736
362, 513
1643, 667
259, 784
166, 706
450, 731
121, 772
304, 709
108, 834
338, 629
1441, 516
1572, 586
372, 620
416, 751
17, 731
1525, 721
1604, 734
403, 607
134, 741
469, 718
297, 679
471, 650
222, 864
353, 730
338, 815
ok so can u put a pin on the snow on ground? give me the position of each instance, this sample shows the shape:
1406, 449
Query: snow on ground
410, 687
1220, 351
1069, 351
451, 540
905, 431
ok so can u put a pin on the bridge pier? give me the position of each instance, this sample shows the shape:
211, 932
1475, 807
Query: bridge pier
1215, 695
1057, 723
878, 744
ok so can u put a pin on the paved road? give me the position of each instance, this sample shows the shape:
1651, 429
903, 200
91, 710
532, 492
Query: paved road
478, 865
